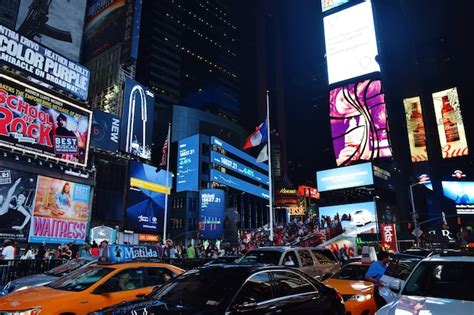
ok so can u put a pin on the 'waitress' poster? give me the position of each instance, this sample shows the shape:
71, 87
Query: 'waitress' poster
17, 194
61, 211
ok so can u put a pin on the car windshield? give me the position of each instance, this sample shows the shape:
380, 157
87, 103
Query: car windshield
451, 280
210, 289
351, 272
67, 267
80, 279
261, 257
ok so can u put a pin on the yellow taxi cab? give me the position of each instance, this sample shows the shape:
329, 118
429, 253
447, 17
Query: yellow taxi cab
358, 295
90, 288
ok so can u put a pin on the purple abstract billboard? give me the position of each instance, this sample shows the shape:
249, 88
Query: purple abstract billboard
359, 122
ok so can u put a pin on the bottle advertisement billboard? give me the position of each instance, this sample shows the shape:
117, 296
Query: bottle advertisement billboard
359, 122
42, 124
415, 129
451, 133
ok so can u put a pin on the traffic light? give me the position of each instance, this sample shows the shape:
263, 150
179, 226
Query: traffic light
458, 219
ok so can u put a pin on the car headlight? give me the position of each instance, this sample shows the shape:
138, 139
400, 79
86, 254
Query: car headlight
360, 297
31, 311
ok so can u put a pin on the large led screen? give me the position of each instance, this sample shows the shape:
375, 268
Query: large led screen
17, 195
188, 164
450, 123
105, 133
56, 24
238, 167
415, 129
351, 44
462, 193
355, 218
137, 119
146, 198
236, 183
42, 63
359, 122
345, 177
239, 153
61, 211
212, 208
39, 123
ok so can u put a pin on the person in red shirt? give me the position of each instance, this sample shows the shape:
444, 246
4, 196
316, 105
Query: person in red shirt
95, 249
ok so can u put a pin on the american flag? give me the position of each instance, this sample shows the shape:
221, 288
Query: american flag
164, 153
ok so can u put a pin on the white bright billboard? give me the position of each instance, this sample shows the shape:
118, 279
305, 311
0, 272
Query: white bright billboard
351, 44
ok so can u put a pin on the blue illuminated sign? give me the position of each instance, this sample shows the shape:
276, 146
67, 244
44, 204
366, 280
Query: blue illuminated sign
462, 193
231, 164
212, 205
345, 177
188, 164
244, 156
231, 181
356, 217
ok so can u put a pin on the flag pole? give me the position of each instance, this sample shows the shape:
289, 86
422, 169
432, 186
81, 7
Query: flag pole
270, 185
165, 222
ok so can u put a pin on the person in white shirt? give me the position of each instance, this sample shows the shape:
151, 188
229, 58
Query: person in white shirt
8, 252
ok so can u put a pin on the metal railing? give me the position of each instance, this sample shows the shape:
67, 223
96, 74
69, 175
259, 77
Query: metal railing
18, 268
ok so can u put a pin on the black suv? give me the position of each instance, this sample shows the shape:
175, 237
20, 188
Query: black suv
235, 289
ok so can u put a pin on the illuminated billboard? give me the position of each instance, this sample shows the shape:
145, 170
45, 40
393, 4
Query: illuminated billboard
137, 119
331, 4
351, 44
415, 129
345, 177
188, 164
39, 123
238, 167
359, 122
355, 217
56, 24
43, 64
212, 207
462, 193
61, 212
146, 198
239, 153
236, 183
105, 133
450, 123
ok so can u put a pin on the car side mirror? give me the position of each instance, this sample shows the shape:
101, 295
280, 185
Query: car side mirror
248, 305
395, 286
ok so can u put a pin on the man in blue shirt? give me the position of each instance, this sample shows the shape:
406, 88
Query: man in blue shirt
374, 274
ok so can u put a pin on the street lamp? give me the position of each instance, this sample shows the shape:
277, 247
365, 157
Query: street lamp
413, 209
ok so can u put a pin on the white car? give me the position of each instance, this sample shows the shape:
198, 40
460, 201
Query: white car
361, 217
438, 285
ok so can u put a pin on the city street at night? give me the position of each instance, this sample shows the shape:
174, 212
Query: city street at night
236, 157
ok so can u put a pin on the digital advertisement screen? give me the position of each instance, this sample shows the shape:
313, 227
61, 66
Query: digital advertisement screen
239, 153
356, 218
234, 182
17, 196
137, 119
61, 212
450, 123
105, 133
146, 198
43, 64
39, 123
462, 193
188, 164
103, 27
55, 24
415, 129
345, 177
240, 168
351, 44
212, 208
331, 4
359, 122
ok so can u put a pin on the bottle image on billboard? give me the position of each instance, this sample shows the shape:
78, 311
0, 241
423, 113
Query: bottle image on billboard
416, 119
449, 121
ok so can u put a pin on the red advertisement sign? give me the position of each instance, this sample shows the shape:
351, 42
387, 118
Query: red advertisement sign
389, 237
307, 191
